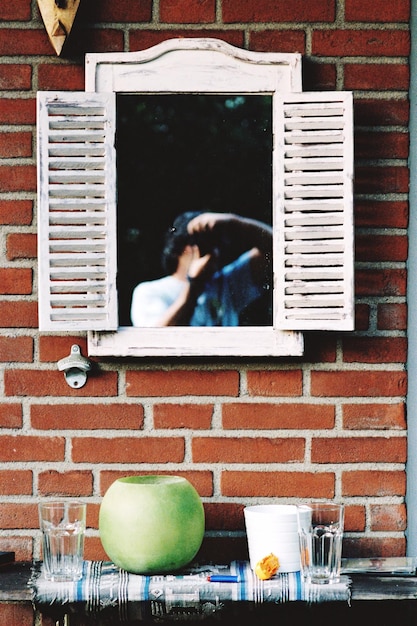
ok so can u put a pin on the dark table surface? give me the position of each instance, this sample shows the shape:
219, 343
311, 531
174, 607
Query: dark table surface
382, 600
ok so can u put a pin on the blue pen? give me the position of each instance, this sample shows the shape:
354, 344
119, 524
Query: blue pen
222, 578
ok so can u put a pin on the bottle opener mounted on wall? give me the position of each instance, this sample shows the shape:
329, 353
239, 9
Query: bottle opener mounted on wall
75, 367
58, 17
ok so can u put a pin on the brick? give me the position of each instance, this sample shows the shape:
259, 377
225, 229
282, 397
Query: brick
202, 480
374, 416
128, 450
15, 77
278, 11
28, 42
377, 11
16, 482
381, 214
381, 145
359, 383
142, 39
18, 177
187, 11
277, 484
275, 383
359, 450
53, 348
15, 281
18, 111
19, 614
223, 549
182, 383
276, 416
384, 282
194, 416
356, 547
355, 518
392, 316
320, 347
382, 112
20, 545
15, 144
278, 41
29, 448
95, 40
375, 43
318, 75
224, 516
381, 179
12, 11
94, 550
21, 246
61, 77
375, 349
76, 483
93, 513
18, 515
52, 383
377, 76
120, 11
19, 314
16, 212
16, 349
86, 416
373, 483
362, 316
247, 450
11, 415
388, 517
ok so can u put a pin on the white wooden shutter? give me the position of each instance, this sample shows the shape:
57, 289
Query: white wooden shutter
314, 265
77, 211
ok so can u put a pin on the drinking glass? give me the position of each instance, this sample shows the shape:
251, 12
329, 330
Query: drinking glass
63, 526
320, 528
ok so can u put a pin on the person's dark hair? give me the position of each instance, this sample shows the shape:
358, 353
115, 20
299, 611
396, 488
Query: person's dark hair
176, 239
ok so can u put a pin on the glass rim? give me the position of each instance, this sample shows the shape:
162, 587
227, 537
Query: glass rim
324, 505
56, 504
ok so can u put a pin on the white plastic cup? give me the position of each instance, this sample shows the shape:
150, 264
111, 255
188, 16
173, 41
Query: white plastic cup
272, 528
63, 526
320, 527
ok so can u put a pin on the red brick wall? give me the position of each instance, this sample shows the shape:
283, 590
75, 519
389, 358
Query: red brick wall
329, 425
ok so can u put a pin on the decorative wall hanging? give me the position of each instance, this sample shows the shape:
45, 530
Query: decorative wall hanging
58, 17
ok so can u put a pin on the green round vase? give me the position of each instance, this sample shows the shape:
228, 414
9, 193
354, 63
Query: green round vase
151, 524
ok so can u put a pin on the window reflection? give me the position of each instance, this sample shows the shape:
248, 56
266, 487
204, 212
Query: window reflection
198, 153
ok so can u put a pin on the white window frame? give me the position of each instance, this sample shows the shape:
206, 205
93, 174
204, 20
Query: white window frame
212, 66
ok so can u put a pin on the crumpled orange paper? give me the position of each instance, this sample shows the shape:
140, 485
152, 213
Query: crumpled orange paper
267, 567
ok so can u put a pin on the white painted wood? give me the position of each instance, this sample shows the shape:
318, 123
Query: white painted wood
76, 211
204, 65
312, 200
189, 66
187, 341
314, 266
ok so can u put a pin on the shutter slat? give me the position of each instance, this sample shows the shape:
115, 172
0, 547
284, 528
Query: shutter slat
75, 163
310, 163
77, 211
82, 286
78, 217
74, 149
315, 290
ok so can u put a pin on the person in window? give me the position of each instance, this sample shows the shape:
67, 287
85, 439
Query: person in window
217, 265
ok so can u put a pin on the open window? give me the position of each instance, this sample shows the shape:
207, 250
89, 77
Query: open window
83, 230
